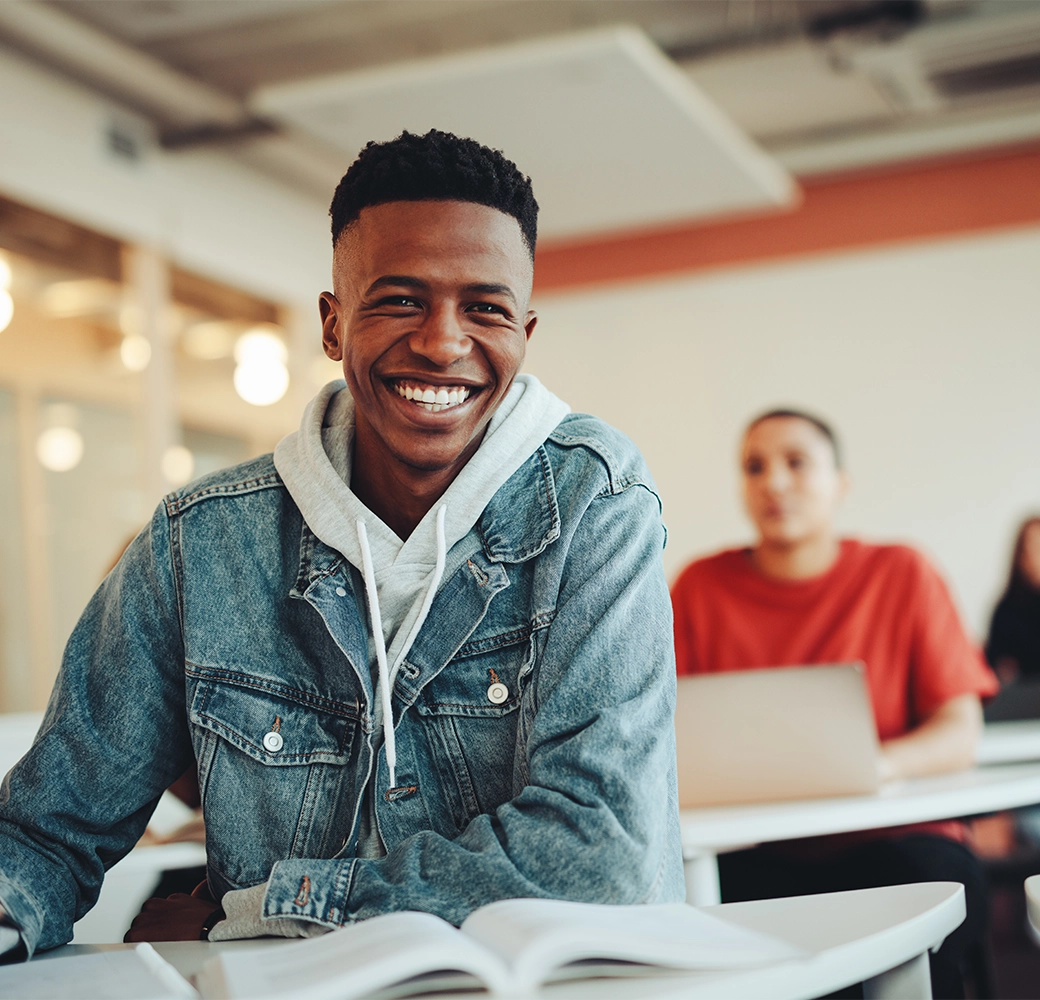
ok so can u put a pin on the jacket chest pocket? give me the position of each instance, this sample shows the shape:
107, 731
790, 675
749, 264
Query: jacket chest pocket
474, 706
271, 769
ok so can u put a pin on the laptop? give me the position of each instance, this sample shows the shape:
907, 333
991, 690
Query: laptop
775, 733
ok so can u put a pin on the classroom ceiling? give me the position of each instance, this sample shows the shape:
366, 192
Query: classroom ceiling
819, 85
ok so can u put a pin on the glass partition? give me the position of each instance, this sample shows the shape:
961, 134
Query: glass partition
121, 377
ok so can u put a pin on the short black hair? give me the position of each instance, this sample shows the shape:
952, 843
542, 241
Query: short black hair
821, 425
437, 166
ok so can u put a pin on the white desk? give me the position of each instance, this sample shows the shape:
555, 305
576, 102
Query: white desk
1009, 742
877, 936
711, 831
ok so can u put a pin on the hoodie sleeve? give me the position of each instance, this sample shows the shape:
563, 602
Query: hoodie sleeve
597, 819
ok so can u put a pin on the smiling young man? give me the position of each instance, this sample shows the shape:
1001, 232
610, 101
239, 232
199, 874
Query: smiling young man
802, 594
420, 657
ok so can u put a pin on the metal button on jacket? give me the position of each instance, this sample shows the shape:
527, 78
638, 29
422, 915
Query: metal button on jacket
273, 742
497, 693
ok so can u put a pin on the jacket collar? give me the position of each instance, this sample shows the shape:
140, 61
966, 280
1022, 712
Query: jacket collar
520, 520
523, 517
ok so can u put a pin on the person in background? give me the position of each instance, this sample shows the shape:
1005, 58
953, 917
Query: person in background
802, 594
1013, 646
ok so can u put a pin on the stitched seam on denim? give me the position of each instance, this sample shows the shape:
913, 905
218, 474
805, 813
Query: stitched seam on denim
470, 803
304, 579
626, 487
272, 687
306, 547
277, 760
204, 763
177, 566
597, 448
554, 517
511, 638
306, 817
176, 505
323, 575
342, 886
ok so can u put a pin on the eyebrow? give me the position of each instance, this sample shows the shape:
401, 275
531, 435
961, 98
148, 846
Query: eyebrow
409, 281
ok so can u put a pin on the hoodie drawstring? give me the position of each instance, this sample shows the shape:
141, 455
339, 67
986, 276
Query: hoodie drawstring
386, 679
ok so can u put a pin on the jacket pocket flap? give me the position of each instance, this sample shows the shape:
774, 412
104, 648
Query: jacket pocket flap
272, 728
483, 680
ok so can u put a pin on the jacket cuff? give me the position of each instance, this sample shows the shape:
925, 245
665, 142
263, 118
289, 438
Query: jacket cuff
310, 889
22, 914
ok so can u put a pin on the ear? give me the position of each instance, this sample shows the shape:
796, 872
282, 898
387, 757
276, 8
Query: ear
530, 322
844, 485
331, 331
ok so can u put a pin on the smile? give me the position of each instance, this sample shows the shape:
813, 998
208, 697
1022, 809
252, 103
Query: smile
432, 397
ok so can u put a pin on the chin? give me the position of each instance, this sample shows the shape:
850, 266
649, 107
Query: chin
781, 538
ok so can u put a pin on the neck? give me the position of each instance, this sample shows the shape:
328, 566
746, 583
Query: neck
796, 560
398, 494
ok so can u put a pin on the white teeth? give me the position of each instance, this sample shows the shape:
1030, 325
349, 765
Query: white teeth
434, 400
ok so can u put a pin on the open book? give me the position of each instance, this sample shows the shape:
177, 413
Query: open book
508, 947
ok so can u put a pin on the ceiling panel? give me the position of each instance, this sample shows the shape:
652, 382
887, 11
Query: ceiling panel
146, 21
793, 87
612, 133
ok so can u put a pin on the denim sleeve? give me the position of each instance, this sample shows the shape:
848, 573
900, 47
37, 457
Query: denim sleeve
114, 736
597, 819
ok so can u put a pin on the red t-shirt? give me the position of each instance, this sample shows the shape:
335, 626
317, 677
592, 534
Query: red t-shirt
882, 604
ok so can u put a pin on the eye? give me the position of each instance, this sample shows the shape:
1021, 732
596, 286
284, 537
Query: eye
401, 301
753, 467
487, 308
795, 461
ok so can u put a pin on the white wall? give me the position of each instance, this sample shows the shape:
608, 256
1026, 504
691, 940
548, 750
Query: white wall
202, 209
925, 357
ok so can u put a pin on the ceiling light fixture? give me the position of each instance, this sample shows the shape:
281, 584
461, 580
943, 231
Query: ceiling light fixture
59, 449
261, 377
6, 309
135, 352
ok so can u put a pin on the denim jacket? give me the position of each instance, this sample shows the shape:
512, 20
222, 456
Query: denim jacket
228, 620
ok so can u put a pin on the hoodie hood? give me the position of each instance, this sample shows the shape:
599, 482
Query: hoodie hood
402, 576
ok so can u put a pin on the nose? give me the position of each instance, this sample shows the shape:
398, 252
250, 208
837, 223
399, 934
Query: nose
440, 338
776, 477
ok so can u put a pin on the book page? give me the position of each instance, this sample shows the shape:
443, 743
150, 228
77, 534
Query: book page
370, 957
535, 937
123, 974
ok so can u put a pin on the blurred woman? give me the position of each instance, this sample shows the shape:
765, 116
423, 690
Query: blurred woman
802, 594
1013, 647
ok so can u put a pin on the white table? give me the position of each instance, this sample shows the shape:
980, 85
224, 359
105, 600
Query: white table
1009, 742
711, 831
877, 936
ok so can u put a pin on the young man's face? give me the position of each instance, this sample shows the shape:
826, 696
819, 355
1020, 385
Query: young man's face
431, 302
792, 485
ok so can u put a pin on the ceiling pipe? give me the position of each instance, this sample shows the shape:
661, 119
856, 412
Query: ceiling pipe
187, 113
178, 103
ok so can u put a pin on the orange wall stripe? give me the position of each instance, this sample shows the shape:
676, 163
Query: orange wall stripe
936, 198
